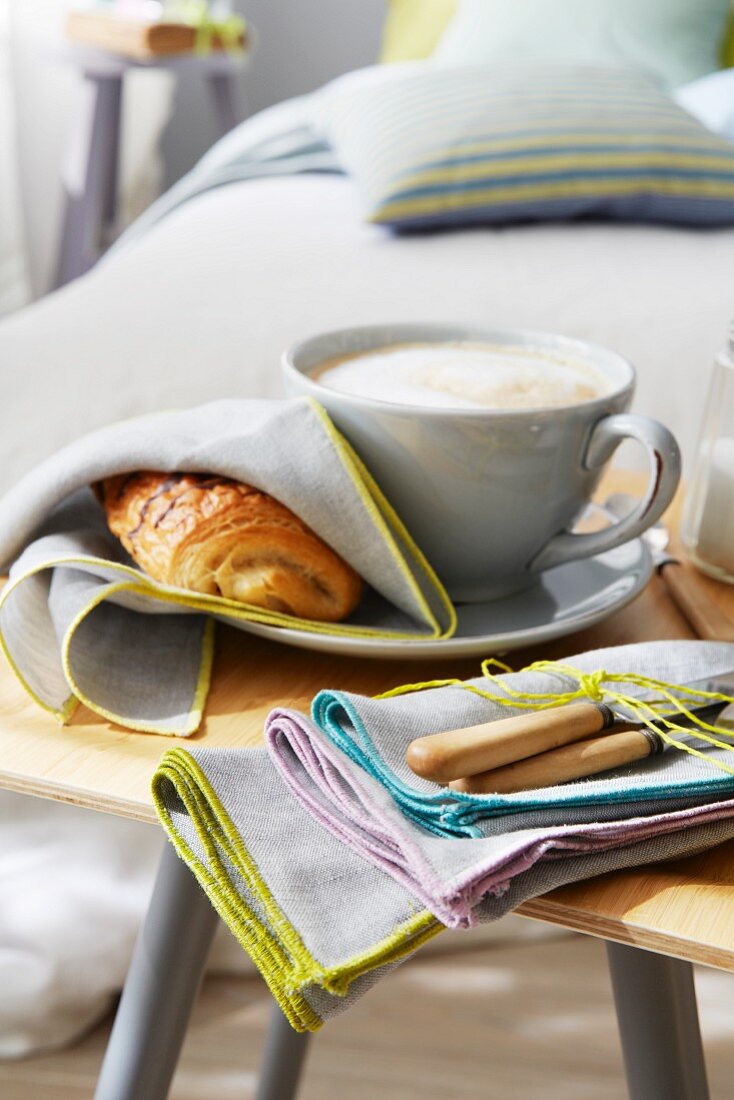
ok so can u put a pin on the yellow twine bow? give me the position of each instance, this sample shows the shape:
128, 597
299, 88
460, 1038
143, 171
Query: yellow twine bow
598, 687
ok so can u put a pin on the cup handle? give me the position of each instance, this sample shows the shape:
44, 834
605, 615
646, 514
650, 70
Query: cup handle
665, 468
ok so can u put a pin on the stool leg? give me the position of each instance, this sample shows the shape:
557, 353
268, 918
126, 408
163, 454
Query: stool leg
658, 1025
223, 90
88, 175
161, 987
111, 180
285, 1053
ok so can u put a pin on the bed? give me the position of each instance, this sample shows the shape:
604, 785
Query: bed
203, 304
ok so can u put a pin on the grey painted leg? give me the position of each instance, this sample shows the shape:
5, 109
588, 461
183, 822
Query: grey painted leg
658, 1025
161, 987
285, 1053
88, 175
224, 94
112, 167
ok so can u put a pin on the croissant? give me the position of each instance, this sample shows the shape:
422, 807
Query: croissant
222, 538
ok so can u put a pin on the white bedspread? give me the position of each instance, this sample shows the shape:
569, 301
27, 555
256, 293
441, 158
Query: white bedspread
201, 307
203, 304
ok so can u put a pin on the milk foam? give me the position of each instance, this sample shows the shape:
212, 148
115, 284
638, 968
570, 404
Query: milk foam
465, 375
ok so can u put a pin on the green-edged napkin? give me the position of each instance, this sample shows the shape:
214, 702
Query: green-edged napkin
78, 619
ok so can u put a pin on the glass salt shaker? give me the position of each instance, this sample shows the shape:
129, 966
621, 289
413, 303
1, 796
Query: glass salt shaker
708, 520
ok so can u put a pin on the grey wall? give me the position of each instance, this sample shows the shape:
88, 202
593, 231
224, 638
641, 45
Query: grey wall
49, 98
301, 44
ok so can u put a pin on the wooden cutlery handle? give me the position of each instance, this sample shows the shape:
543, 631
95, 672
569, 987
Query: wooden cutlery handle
704, 615
459, 753
599, 754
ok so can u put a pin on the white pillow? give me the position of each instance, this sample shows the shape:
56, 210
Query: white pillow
674, 40
711, 101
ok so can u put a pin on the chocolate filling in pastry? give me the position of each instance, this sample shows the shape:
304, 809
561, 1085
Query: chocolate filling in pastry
223, 538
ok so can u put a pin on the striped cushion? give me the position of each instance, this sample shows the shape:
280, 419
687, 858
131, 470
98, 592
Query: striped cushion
441, 147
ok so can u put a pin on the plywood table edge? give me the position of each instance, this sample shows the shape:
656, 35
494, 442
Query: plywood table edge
545, 909
542, 908
73, 796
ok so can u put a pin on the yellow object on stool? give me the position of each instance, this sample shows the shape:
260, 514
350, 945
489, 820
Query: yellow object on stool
414, 27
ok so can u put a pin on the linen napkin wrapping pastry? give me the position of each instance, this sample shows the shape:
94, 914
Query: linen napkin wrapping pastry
331, 884
80, 621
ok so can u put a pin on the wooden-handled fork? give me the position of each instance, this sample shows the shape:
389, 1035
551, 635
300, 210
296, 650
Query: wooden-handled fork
576, 761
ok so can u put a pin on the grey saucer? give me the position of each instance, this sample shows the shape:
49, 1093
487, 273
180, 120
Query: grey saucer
567, 598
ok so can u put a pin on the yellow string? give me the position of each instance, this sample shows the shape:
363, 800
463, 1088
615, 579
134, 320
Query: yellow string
596, 686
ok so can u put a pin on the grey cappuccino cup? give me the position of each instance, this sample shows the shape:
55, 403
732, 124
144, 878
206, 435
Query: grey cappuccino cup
490, 496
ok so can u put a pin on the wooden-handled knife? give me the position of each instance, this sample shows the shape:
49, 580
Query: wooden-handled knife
458, 755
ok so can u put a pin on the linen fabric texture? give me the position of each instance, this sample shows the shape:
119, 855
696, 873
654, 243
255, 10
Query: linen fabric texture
437, 147
348, 768
80, 621
328, 882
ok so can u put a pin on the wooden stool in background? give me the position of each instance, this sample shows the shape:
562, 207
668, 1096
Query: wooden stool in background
89, 174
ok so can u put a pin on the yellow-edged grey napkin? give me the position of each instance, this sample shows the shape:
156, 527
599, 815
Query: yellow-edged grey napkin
80, 621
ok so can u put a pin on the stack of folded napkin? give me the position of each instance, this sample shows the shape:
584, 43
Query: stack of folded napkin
331, 861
